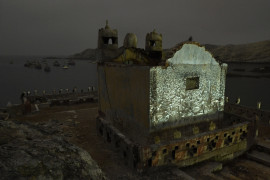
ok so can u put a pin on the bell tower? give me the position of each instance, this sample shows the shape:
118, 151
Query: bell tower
107, 37
153, 44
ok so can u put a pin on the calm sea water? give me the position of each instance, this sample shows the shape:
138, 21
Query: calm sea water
15, 78
250, 91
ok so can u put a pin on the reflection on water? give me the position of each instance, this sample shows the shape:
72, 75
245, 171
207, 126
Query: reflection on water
15, 78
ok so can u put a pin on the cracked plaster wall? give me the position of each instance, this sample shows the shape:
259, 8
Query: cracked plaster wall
169, 99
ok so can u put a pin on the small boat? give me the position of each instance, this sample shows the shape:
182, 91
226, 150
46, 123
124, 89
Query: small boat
27, 64
47, 68
56, 63
71, 62
38, 65
65, 67
44, 61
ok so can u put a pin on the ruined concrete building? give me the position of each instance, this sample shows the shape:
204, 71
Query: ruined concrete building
166, 107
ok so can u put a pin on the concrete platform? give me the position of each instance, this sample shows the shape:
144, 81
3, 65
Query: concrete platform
264, 146
260, 157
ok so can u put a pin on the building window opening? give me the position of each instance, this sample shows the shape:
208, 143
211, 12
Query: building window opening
173, 154
134, 164
152, 43
194, 149
100, 130
105, 40
243, 135
124, 154
211, 145
114, 40
110, 41
192, 83
164, 151
149, 162
117, 144
108, 137
228, 141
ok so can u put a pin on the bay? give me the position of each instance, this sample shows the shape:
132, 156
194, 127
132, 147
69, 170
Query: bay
15, 79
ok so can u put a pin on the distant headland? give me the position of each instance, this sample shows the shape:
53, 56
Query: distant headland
257, 52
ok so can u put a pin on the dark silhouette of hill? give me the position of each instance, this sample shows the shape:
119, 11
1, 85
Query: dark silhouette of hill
85, 54
251, 52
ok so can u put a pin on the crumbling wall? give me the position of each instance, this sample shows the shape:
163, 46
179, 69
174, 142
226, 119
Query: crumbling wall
191, 86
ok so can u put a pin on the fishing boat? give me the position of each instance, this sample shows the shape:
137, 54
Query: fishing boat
44, 61
38, 65
47, 68
28, 64
65, 67
56, 63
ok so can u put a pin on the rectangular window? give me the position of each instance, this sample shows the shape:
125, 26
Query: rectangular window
192, 83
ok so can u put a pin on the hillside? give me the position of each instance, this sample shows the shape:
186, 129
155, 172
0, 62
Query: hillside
252, 52
86, 54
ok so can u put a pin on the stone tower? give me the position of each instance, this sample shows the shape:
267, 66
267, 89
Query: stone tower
107, 38
153, 44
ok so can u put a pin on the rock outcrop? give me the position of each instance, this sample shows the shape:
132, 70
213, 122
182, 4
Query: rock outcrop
40, 151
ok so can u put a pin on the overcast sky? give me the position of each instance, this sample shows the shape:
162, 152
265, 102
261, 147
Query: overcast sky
64, 27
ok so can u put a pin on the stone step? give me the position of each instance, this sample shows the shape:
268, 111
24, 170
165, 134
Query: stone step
260, 157
210, 167
264, 146
229, 176
212, 176
181, 174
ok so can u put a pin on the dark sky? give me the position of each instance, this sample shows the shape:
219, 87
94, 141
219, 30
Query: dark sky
64, 27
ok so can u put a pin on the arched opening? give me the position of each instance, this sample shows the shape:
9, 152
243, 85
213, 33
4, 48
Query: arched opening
152, 43
110, 41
